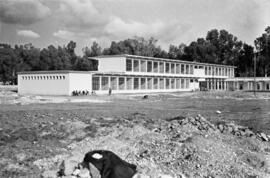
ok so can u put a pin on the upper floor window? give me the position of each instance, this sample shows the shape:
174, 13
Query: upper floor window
172, 68
128, 65
177, 68
143, 66
191, 69
187, 69
149, 66
136, 66
167, 67
161, 67
182, 68
155, 67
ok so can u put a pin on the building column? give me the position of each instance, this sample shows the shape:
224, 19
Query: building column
100, 84
125, 83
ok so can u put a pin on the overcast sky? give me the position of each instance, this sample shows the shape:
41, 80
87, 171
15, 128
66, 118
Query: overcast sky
44, 22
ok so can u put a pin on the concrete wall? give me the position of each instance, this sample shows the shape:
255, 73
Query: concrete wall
80, 82
37, 84
112, 64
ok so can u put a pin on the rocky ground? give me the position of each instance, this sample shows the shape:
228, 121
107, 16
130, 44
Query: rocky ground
159, 135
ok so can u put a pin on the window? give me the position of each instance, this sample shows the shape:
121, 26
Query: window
182, 83
143, 83
172, 68
63, 77
167, 83
156, 67
35, 77
187, 82
161, 67
187, 69
219, 71
129, 65
167, 67
172, 83
54, 77
44, 77
177, 68
267, 86
177, 83
182, 68
143, 66
206, 71
226, 72
161, 83
95, 83
136, 84
149, 83
121, 83
104, 83
129, 83
149, 66
113, 83
155, 83
209, 70
60, 77
57, 77
216, 71
191, 69
136, 66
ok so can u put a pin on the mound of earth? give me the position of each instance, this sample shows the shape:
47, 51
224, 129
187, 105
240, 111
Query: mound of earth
177, 147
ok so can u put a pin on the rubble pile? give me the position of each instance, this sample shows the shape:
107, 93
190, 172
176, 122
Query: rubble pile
176, 147
203, 124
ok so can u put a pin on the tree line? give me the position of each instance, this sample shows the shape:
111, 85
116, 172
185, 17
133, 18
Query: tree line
219, 47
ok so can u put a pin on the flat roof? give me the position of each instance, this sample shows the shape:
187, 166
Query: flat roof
55, 72
160, 59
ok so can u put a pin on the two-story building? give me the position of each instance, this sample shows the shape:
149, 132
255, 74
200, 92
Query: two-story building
129, 74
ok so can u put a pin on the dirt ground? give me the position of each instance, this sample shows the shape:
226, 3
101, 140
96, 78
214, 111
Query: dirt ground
37, 132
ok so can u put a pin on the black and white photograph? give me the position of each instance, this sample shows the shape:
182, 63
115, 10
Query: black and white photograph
134, 89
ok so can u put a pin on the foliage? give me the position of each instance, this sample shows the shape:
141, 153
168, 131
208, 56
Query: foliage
220, 47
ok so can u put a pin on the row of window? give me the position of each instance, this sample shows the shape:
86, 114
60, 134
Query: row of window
133, 65
44, 77
213, 84
219, 71
138, 83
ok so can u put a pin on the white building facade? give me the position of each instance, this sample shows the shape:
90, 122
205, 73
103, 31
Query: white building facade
133, 74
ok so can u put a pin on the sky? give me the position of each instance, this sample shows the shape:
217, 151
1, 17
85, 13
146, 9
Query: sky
56, 22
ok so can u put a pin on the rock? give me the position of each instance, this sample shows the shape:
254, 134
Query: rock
221, 127
218, 112
145, 97
264, 137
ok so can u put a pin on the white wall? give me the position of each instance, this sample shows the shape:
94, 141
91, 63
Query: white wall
43, 86
80, 82
112, 64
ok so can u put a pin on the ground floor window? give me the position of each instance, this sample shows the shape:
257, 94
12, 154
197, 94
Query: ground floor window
155, 83
136, 84
149, 83
129, 83
105, 83
177, 83
113, 83
121, 83
143, 83
267, 86
95, 83
161, 83
172, 83
182, 83
187, 83
167, 83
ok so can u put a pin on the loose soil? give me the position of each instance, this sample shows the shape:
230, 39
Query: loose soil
35, 137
